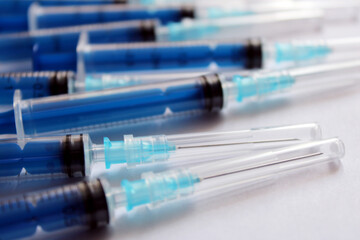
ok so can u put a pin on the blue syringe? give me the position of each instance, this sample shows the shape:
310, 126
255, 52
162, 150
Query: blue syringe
93, 203
204, 55
118, 65
105, 58
57, 47
98, 109
41, 17
13, 13
44, 49
75, 155
53, 17
180, 19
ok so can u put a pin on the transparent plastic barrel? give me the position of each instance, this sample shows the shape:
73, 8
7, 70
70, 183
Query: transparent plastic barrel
55, 17
99, 109
56, 48
128, 58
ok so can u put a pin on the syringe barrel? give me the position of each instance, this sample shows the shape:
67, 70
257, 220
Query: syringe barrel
55, 49
33, 84
80, 204
104, 58
101, 81
47, 55
47, 155
53, 17
74, 112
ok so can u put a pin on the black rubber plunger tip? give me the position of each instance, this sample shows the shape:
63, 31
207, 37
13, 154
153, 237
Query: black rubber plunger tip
254, 54
59, 82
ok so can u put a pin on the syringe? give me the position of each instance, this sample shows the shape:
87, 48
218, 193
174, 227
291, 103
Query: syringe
334, 12
277, 24
13, 13
200, 54
222, 54
79, 112
179, 19
96, 202
53, 17
55, 49
21, 51
74, 155
93, 61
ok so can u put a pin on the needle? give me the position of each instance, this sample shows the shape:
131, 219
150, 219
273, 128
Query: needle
271, 164
239, 143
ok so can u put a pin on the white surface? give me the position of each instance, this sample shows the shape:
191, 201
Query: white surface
310, 205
